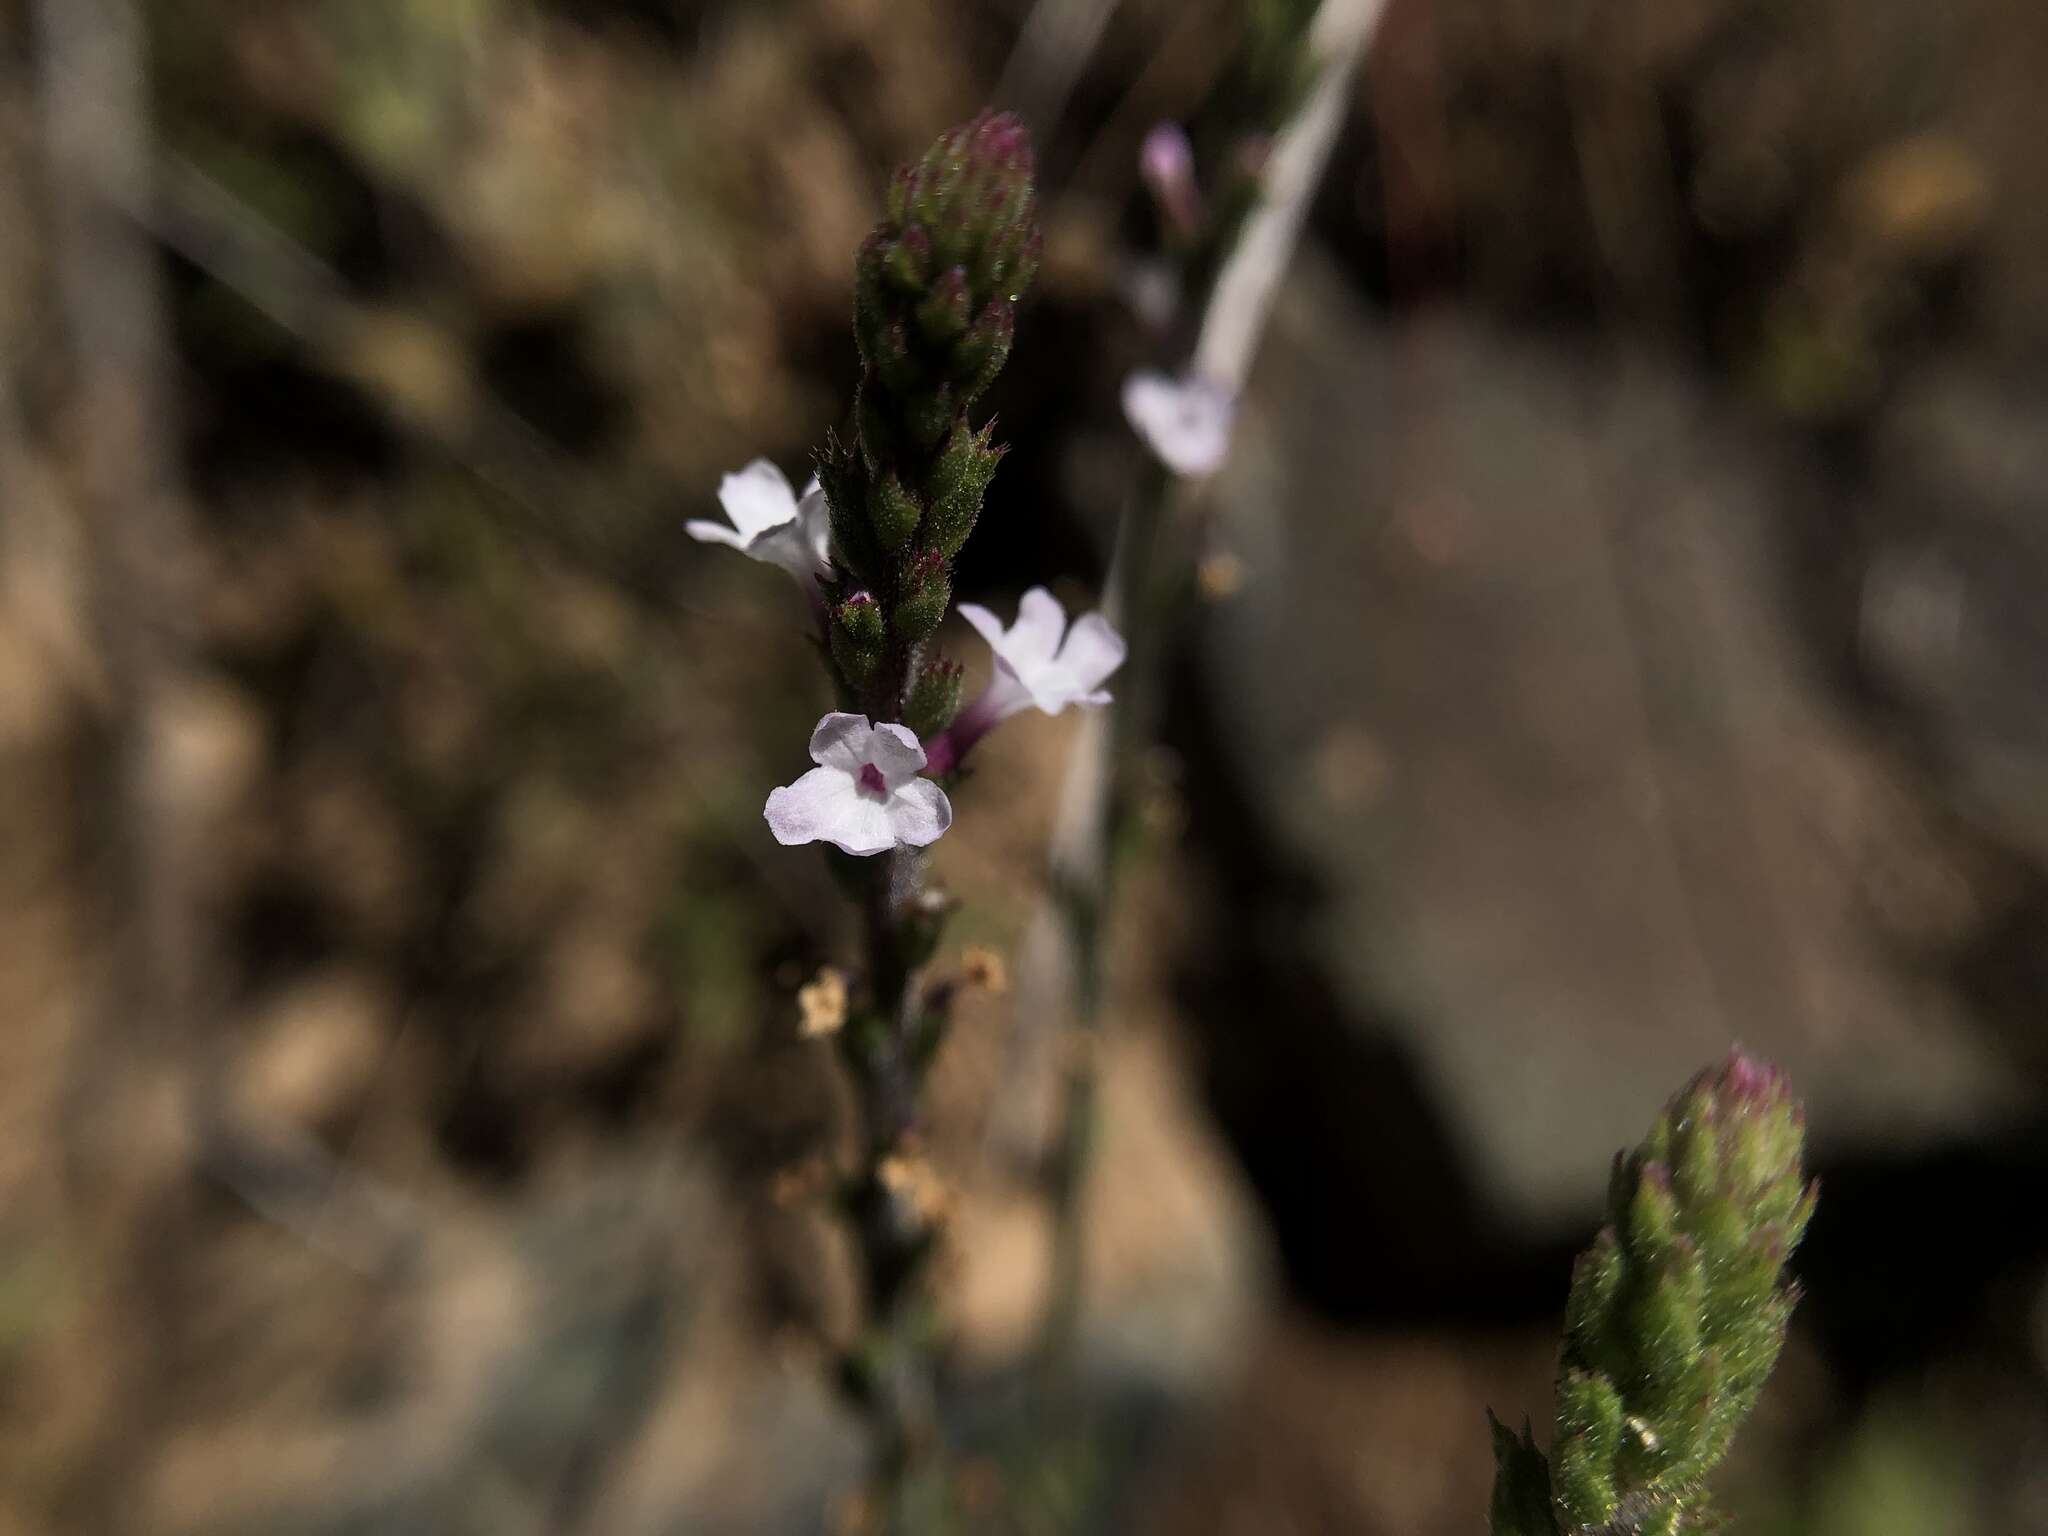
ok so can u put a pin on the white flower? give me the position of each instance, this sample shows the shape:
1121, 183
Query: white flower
1041, 663
1185, 421
864, 796
770, 523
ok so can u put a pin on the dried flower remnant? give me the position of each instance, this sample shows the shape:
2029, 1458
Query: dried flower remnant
983, 967
821, 1004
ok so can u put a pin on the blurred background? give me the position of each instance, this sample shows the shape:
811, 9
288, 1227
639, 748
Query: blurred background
1625, 634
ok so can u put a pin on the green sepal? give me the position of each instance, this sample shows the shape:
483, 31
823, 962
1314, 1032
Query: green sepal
1521, 1503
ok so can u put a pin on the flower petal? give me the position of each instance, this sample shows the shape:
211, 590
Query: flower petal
1036, 634
919, 813
787, 547
1186, 422
757, 498
814, 517
1007, 694
895, 750
985, 623
714, 533
841, 742
825, 805
1092, 650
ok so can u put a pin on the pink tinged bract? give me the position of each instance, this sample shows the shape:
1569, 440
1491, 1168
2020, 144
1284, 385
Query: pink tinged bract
1186, 422
770, 522
865, 796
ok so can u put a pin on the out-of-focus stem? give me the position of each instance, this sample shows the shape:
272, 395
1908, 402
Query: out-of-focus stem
124, 1113
1149, 583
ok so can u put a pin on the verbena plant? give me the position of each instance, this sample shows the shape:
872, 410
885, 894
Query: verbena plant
1675, 1319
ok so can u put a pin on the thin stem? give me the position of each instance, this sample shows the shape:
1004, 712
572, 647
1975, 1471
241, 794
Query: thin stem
895, 1363
1148, 591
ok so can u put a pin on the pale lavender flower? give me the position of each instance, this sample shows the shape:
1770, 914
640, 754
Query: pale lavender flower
865, 796
1185, 421
770, 522
1041, 662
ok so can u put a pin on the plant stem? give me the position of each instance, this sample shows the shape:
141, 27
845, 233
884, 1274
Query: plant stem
896, 1362
1225, 306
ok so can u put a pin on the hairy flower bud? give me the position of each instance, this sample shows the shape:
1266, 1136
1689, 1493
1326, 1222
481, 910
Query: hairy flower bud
893, 512
1677, 1312
859, 637
955, 484
934, 697
844, 479
936, 285
927, 587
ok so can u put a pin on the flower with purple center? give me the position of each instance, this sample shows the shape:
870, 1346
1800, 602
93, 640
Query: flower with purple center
1042, 663
865, 796
1185, 421
770, 522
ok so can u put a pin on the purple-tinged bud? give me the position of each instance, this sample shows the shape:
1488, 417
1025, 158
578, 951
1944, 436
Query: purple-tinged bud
1679, 1310
895, 360
1166, 161
926, 589
934, 701
947, 308
910, 260
979, 355
859, 637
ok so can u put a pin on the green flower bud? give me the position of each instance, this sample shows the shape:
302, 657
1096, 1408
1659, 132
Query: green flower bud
943, 315
928, 416
1676, 1314
927, 587
979, 355
955, 484
935, 285
859, 637
1683, 1319
893, 512
845, 483
909, 263
934, 697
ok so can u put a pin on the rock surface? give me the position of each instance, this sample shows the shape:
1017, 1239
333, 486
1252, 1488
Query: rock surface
1519, 674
